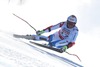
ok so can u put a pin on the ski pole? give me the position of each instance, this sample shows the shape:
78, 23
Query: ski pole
24, 21
74, 55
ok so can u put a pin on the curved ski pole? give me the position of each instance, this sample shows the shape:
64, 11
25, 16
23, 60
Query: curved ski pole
74, 55
24, 21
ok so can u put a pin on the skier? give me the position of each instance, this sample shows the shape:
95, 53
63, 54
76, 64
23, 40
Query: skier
62, 39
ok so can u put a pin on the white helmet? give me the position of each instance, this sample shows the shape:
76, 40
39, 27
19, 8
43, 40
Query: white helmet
72, 18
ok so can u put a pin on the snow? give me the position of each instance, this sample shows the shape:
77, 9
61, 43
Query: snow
17, 53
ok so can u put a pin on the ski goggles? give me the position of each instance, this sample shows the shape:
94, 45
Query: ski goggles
71, 23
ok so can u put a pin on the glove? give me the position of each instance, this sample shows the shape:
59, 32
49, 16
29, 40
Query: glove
63, 49
70, 44
39, 32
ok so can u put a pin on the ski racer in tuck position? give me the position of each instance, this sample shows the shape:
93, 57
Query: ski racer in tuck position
62, 39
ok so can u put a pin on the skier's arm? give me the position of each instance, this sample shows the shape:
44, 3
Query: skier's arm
72, 39
50, 28
64, 42
69, 42
53, 27
74, 36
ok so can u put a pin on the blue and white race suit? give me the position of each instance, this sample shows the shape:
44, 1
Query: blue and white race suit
62, 37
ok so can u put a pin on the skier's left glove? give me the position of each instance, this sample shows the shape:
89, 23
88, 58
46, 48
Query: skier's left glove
39, 32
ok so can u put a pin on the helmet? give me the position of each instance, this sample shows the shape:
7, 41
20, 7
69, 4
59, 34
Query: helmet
72, 18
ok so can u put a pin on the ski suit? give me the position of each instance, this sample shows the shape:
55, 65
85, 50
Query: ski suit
62, 37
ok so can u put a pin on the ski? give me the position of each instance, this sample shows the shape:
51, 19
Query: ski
54, 49
29, 37
45, 46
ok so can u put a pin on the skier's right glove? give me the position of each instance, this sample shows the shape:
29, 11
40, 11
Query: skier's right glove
64, 48
39, 32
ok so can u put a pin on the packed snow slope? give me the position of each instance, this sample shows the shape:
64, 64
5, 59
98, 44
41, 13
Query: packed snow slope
20, 53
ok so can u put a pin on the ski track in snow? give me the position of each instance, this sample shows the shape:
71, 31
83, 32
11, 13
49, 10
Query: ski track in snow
20, 59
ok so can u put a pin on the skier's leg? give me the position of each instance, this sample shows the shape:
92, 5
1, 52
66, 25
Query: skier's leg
31, 37
50, 39
53, 43
36, 37
59, 43
62, 45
